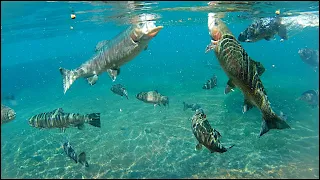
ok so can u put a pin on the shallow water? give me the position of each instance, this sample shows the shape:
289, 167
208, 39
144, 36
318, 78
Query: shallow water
137, 140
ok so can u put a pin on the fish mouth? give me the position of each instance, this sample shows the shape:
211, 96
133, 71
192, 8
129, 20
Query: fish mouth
153, 32
12, 115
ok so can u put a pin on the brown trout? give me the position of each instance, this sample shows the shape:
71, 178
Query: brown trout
205, 134
243, 72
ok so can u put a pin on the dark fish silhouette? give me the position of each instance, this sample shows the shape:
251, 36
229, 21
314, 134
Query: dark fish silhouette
193, 107
243, 72
73, 155
111, 55
310, 56
311, 97
211, 83
153, 97
59, 119
120, 90
264, 28
205, 134
7, 114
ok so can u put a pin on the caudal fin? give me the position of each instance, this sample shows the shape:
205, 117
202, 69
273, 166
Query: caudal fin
68, 78
83, 159
185, 106
273, 122
94, 119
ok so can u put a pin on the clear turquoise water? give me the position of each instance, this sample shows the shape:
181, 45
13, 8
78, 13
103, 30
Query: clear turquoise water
141, 141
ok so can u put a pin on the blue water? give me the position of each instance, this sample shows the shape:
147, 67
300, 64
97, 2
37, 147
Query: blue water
137, 140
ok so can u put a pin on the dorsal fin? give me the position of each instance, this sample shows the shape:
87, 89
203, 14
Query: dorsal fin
58, 111
259, 66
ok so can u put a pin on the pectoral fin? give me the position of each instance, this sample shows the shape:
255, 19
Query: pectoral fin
113, 73
247, 105
146, 47
230, 87
268, 38
198, 147
210, 46
283, 32
92, 80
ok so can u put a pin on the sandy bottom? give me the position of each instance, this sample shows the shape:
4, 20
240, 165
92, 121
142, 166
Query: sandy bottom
142, 141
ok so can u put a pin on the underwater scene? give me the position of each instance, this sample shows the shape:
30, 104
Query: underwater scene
159, 89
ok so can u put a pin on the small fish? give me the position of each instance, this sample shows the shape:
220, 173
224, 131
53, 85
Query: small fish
311, 97
243, 72
72, 154
7, 114
59, 119
120, 90
153, 97
310, 56
193, 107
264, 28
211, 83
111, 55
205, 134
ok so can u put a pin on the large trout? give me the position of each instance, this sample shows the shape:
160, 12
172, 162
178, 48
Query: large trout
110, 55
243, 72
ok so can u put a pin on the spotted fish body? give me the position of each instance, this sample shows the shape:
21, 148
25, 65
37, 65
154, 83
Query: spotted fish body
310, 56
111, 55
7, 114
153, 97
264, 28
205, 134
243, 72
211, 83
58, 119
120, 90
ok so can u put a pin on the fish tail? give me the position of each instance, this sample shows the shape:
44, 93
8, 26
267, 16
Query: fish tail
82, 159
185, 106
94, 119
68, 78
272, 122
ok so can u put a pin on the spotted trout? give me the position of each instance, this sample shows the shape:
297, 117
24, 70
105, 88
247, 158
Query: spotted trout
59, 119
7, 114
243, 72
205, 134
111, 55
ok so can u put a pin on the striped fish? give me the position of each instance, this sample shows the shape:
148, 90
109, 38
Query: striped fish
7, 114
120, 90
153, 97
58, 119
111, 55
243, 72
205, 134
70, 152
211, 83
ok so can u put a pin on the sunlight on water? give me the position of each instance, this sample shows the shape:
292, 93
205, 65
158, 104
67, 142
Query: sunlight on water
163, 53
